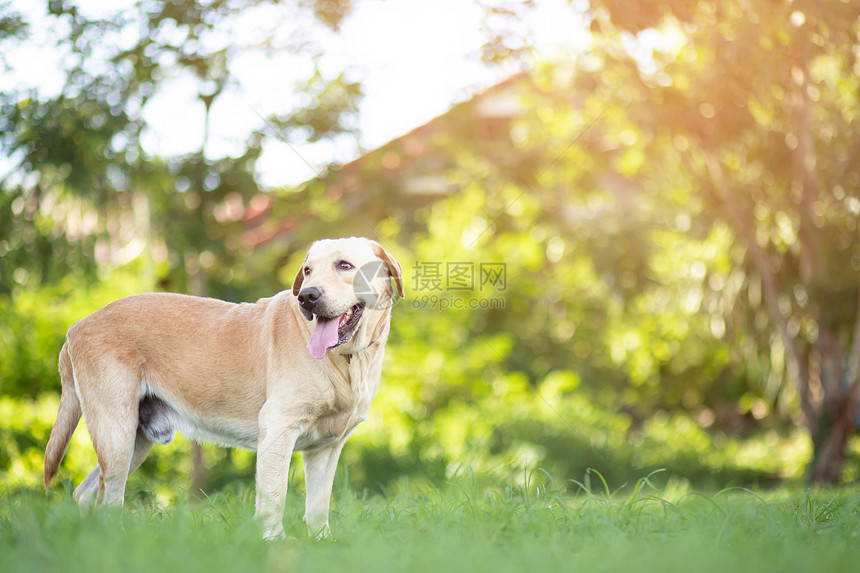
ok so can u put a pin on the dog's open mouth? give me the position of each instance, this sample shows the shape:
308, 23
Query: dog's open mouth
347, 323
334, 331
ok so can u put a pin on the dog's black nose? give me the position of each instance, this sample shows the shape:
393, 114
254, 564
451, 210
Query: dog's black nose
308, 297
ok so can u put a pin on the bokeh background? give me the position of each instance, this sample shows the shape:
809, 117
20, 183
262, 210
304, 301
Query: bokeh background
635, 250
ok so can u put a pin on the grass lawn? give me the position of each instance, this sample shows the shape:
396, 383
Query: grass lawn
460, 527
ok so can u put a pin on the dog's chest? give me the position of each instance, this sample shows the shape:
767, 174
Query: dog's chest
338, 423
328, 429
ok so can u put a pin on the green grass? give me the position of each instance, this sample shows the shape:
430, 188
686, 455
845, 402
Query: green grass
463, 526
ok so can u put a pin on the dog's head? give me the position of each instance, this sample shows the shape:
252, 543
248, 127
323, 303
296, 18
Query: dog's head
344, 286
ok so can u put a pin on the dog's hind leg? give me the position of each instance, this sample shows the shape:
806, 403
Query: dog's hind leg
115, 450
86, 492
109, 396
142, 447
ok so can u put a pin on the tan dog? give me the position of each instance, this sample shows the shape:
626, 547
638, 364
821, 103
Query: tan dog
149, 365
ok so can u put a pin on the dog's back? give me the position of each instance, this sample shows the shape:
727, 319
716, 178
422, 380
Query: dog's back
211, 352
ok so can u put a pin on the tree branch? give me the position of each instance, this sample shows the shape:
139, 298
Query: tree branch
725, 198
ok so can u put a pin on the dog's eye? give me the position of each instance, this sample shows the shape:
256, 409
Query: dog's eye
307, 271
345, 266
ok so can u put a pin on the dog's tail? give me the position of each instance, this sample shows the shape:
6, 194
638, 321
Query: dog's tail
67, 418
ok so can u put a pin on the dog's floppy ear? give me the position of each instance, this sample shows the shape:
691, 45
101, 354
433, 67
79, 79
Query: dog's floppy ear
394, 270
300, 276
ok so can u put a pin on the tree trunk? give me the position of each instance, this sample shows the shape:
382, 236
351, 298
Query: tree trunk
198, 476
828, 455
836, 422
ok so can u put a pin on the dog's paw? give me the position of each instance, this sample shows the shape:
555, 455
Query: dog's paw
274, 534
324, 534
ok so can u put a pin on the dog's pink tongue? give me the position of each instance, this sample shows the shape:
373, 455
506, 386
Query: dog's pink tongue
323, 337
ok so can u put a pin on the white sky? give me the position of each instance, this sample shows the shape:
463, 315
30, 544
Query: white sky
415, 57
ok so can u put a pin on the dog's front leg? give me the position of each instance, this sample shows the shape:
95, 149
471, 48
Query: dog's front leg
320, 467
278, 434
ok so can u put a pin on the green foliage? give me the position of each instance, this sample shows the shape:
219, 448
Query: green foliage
35, 324
24, 433
675, 210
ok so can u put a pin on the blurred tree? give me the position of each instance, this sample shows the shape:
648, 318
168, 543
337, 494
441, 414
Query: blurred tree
752, 106
761, 108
